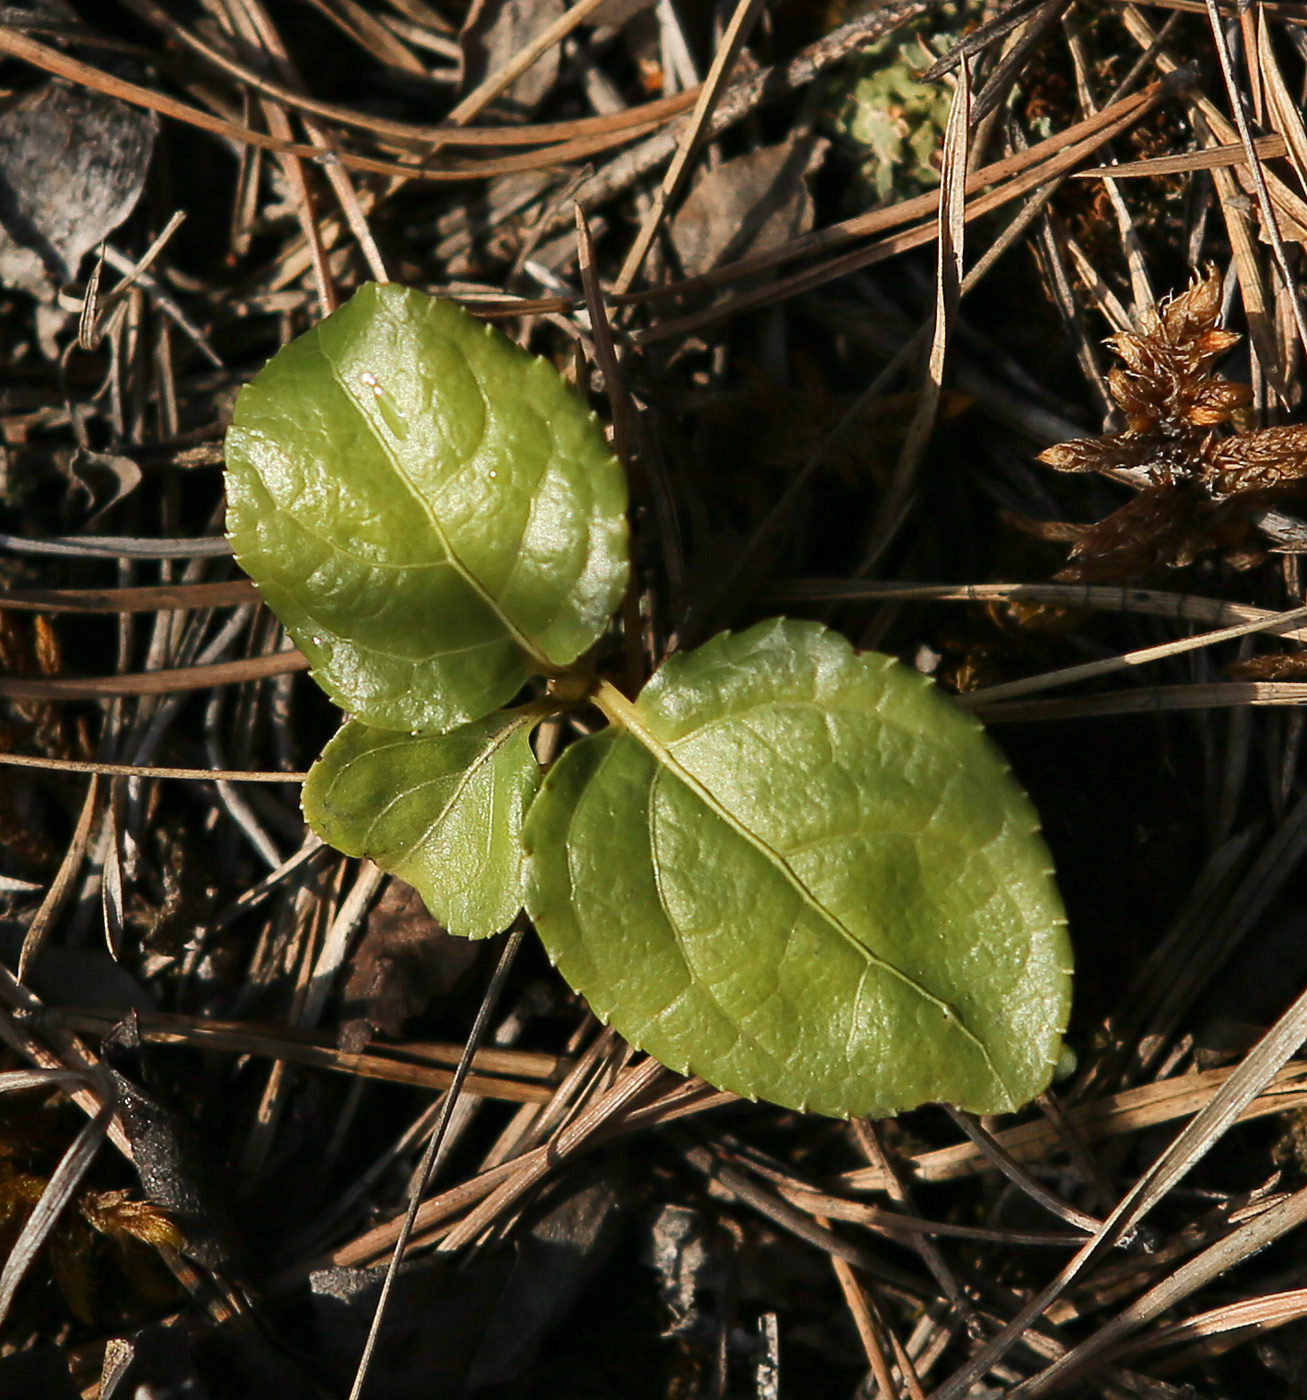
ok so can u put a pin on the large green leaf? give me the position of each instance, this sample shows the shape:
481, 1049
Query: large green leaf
442, 811
808, 877
431, 511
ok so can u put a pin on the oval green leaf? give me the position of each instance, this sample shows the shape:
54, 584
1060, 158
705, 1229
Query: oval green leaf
442, 811
807, 876
431, 511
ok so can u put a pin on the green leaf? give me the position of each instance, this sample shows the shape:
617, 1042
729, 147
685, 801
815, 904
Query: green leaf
807, 876
442, 811
431, 511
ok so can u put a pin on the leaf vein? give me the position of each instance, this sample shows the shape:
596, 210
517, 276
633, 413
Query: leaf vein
479, 761
656, 862
625, 714
434, 521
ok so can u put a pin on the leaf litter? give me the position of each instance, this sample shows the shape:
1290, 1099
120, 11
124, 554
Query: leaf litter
700, 1245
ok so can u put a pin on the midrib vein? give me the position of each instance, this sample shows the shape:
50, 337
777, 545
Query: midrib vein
461, 569
483, 756
623, 713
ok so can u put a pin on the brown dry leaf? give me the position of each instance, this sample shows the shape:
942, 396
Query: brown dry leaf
751, 204
403, 960
496, 31
1194, 313
72, 167
615, 13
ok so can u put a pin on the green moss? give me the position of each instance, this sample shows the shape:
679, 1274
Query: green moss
893, 122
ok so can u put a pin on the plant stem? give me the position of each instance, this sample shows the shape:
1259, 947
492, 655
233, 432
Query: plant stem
618, 710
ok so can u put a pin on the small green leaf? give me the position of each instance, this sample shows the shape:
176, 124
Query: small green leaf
430, 510
807, 876
442, 811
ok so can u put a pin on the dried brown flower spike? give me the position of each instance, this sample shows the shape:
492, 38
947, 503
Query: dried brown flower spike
1205, 482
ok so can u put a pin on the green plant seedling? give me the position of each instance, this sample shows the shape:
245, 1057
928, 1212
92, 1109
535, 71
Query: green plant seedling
433, 515
442, 811
799, 872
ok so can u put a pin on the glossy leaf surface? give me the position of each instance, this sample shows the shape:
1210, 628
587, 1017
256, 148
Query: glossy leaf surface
431, 511
442, 811
809, 877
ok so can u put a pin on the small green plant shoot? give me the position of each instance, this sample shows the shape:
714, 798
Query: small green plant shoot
797, 871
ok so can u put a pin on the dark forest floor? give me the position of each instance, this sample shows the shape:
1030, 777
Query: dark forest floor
228, 1042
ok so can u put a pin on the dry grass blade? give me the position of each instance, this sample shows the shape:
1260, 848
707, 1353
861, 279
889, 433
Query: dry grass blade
1211, 1263
1148, 167
743, 98
619, 400
871, 1329
733, 40
1286, 10
1157, 699
1251, 1317
908, 1228
1243, 1085
950, 1288
1109, 665
139, 770
623, 415
423, 1176
1083, 137
634, 121
1219, 129
1203, 958
118, 546
346, 195
12, 1081
1269, 221
72, 1056
164, 682
1034, 173
533, 1169
980, 38
254, 30
1150, 602
1234, 207
795, 1222
514, 1077
434, 1219
1287, 118
481, 97
371, 35
52, 61
62, 884
948, 291
150, 599
802, 479
1020, 1178
335, 943
95, 308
